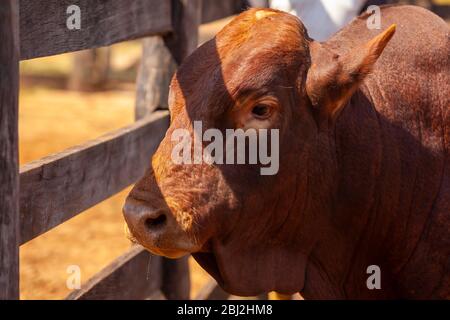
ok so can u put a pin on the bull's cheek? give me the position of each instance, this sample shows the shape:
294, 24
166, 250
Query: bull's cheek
254, 271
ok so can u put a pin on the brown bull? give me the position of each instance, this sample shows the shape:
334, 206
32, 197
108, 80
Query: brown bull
364, 168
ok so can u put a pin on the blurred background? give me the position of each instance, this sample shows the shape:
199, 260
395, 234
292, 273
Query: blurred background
70, 98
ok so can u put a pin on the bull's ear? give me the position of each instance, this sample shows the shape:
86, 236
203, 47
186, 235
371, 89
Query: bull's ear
332, 79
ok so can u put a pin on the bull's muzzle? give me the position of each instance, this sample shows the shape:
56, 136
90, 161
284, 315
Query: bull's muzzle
156, 229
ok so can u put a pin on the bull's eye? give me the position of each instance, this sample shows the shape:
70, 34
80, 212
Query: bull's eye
261, 111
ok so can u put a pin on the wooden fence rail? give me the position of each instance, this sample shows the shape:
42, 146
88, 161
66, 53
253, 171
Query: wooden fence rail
43, 29
134, 275
58, 187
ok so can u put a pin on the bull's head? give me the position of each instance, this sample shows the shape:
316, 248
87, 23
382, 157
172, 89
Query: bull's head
250, 230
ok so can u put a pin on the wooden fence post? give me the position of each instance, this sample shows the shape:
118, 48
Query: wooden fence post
161, 56
155, 72
9, 168
186, 16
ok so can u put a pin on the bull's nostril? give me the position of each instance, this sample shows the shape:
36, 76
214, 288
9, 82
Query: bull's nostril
156, 223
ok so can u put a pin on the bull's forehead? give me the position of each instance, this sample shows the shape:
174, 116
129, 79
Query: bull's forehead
249, 53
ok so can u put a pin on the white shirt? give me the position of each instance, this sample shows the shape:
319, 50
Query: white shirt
322, 18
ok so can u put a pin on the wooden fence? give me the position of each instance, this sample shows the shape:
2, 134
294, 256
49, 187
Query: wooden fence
45, 193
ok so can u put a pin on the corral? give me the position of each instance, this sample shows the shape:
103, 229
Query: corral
59, 187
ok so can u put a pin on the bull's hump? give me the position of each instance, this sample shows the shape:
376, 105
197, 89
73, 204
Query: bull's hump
421, 38
412, 22
410, 83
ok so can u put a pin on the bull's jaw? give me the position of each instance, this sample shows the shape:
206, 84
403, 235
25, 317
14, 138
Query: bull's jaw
253, 271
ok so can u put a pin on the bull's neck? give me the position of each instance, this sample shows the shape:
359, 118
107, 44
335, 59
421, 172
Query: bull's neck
369, 206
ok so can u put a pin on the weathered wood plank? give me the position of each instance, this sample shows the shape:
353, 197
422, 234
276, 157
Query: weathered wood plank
161, 56
155, 73
9, 168
56, 188
215, 10
134, 275
44, 32
212, 291
176, 283
186, 17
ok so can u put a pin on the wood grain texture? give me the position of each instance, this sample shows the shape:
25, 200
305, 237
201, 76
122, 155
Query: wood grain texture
134, 275
58, 187
176, 283
215, 10
9, 168
161, 56
212, 291
44, 31
155, 73
186, 17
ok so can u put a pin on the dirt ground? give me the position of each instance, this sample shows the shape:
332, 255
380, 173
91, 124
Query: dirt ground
52, 119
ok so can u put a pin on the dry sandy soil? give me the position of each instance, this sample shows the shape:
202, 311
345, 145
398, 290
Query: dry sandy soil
52, 119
